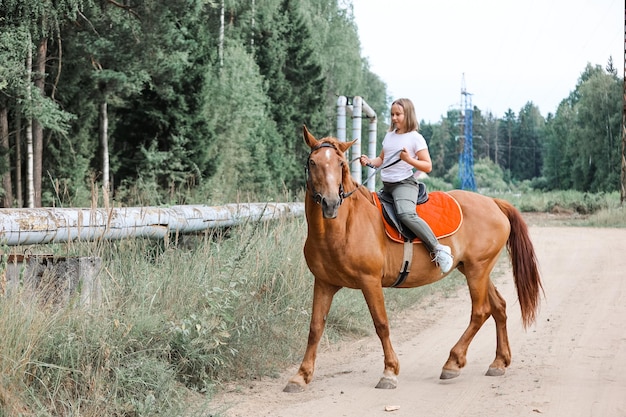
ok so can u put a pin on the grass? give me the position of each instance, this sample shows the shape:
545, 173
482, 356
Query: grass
185, 316
575, 208
175, 316
608, 217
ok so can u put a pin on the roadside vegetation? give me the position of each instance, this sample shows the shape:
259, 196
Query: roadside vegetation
178, 319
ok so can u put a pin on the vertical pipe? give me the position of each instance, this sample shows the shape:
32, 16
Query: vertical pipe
371, 142
355, 150
341, 118
371, 152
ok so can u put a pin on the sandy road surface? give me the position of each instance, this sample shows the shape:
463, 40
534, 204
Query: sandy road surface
571, 363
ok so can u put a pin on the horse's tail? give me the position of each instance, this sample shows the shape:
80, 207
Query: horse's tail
525, 266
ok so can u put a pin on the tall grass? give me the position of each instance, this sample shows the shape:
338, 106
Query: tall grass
608, 217
175, 316
563, 201
587, 209
179, 316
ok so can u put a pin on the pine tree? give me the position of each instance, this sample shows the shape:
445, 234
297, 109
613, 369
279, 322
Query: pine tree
295, 84
526, 158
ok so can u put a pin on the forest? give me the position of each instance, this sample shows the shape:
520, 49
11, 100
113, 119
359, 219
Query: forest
140, 102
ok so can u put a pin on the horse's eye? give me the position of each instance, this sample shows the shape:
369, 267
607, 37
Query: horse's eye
311, 162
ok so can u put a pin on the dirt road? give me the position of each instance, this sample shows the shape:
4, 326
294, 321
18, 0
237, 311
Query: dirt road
571, 363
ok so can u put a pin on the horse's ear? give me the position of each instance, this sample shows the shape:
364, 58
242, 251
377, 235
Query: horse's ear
309, 138
344, 146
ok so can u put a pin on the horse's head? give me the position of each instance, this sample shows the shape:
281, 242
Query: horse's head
327, 169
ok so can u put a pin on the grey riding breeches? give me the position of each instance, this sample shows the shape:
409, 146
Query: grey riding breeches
405, 194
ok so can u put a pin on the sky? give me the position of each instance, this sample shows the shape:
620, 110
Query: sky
505, 53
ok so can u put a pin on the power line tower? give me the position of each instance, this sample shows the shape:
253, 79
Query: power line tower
466, 156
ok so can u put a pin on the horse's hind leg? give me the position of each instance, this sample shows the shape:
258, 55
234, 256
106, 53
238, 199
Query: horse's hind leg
503, 350
322, 299
478, 282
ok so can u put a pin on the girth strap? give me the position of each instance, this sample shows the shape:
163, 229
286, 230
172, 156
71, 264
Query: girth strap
406, 264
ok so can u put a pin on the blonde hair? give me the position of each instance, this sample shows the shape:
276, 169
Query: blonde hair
409, 115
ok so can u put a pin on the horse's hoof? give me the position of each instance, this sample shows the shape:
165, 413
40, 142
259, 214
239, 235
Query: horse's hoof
495, 372
292, 388
449, 374
387, 382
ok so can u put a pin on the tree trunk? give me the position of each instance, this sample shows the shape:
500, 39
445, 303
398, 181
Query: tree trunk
37, 128
496, 143
221, 38
30, 186
623, 173
104, 143
7, 199
508, 161
252, 24
18, 161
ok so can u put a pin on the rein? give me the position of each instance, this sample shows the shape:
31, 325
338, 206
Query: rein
317, 197
376, 169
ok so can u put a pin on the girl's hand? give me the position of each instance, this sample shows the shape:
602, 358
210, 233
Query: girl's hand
364, 160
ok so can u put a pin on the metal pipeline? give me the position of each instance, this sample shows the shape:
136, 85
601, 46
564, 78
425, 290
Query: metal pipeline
57, 225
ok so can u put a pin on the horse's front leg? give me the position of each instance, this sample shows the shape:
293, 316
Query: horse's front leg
376, 302
322, 299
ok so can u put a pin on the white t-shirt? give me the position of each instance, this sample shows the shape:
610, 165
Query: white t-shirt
392, 144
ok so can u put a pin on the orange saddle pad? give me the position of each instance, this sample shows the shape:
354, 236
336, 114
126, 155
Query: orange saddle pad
442, 213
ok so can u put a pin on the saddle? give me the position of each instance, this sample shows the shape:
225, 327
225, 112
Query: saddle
439, 209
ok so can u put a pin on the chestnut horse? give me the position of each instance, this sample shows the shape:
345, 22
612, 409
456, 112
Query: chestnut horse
346, 246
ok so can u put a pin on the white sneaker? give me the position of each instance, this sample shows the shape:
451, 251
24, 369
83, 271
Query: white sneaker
442, 256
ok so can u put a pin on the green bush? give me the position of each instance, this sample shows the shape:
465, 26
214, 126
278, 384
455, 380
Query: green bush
489, 176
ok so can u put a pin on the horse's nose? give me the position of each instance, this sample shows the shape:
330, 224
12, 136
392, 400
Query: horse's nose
330, 207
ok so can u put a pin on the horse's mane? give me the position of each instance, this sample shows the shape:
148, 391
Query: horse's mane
366, 193
329, 139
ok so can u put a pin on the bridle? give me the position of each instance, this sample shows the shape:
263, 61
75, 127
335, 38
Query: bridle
317, 196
